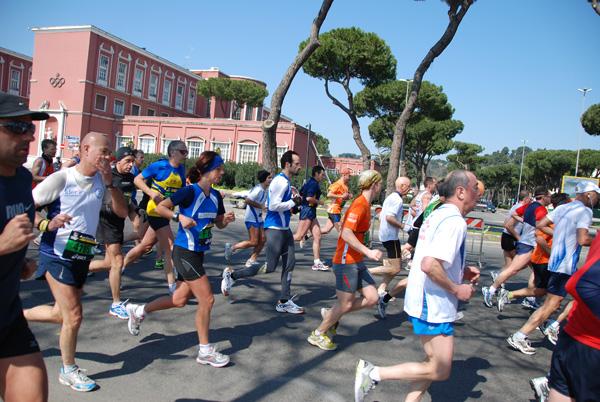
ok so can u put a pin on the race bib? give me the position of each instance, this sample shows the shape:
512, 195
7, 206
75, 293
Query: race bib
127, 196
205, 235
80, 247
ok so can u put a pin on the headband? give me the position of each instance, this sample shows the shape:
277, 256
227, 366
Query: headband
217, 161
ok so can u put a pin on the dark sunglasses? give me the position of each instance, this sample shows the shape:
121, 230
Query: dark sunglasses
183, 152
19, 127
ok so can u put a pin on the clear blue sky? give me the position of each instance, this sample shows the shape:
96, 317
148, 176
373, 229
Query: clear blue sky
511, 72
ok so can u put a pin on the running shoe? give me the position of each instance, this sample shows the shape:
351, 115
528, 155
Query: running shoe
227, 281
382, 307
250, 263
159, 264
503, 299
38, 239
134, 321
289, 307
301, 243
408, 265
320, 266
530, 303
550, 332
362, 382
213, 358
459, 316
406, 255
76, 380
118, 310
228, 251
521, 345
381, 293
540, 388
322, 341
332, 331
487, 296
494, 275
148, 252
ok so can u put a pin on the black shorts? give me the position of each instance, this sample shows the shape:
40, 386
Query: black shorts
17, 339
541, 275
507, 242
557, 283
334, 217
393, 248
157, 222
110, 230
189, 264
574, 370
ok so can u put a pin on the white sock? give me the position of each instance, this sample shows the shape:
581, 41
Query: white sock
520, 335
374, 374
172, 287
68, 369
204, 349
317, 333
554, 324
317, 261
140, 311
115, 304
492, 290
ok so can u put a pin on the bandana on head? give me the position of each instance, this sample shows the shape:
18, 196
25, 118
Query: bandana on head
368, 178
217, 161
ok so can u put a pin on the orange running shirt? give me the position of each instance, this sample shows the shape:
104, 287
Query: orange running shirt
539, 256
357, 219
337, 188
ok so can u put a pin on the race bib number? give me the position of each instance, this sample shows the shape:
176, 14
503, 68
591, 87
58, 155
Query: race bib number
169, 191
205, 235
127, 196
80, 247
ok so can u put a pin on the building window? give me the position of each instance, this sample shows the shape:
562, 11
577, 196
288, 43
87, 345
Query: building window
100, 103
123, 142
135, 109
334, 172
237, 112
191, 99
249, 113
280, 152
195, 148
164, 114
119, 107
223, 149
151, 112
164, 146
15, 82
138, 82
153, 87
103, 70
121, 76
166, 98
208, 102
247, 153
148, 145
179, 97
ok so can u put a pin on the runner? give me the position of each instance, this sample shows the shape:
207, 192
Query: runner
339, 194
74, 197
201, 208
349, 268
256, 203
434, 288
23, 375
43, 166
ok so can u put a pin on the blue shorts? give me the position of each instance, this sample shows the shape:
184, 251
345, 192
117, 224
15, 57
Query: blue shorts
351, 277
523, 248
421, 327
157, 222
307, 212
574, 370
255, 224
557, 282
72, 273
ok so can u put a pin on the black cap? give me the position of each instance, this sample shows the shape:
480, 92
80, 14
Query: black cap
124, 152
13, 106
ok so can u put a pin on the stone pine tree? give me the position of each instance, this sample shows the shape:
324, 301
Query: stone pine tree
270, 124
348, 54
591, 120
466, 157
457, 10
227, 90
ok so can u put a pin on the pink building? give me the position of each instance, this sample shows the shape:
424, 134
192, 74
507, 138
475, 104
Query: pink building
335, 164
90, 80
15, 73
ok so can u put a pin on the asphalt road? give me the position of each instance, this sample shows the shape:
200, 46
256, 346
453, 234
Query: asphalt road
270, 357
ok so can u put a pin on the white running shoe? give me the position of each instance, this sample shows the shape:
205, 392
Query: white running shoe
320, 266
521, 345
213, 358
540, 387
76, 380
289, 307
362, 382
227, 281
133, 323
228, 251
250, 263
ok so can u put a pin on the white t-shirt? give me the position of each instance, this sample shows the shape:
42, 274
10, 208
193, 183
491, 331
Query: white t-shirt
565, 250
442, 236
392, 206
418, 207
253, 214
518, 225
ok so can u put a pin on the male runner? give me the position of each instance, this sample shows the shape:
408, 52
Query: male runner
339, 194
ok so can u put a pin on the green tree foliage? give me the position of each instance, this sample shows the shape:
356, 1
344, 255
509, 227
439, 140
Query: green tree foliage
466, 157
245, 174
430, 129
547, 167
321, 143
349, 155
228, 179
226, 90
591, 120
589, 163
348, 54
501, 181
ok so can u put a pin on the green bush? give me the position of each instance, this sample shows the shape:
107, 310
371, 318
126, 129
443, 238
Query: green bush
245, 175
228, 180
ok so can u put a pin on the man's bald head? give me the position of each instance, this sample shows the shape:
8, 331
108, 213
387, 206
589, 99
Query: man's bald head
402, 185
96, 139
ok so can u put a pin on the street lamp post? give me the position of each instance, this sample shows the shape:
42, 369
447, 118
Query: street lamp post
521, 174
404, 136
584, 90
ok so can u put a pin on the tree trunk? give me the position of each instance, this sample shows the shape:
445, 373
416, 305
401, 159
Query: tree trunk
366, 154
595, 6
437, 49
270, 125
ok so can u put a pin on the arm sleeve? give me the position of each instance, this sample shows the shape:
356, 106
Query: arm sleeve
585, 219
521, 210
183, 197
395, 203
221, 207
50, 189
276, 191
150, 171
540, 212
588, 289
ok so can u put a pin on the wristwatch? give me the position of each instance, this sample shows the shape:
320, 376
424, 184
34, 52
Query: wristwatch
175, 217
111, 185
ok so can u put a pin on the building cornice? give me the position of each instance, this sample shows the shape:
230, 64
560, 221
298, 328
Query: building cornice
15, 54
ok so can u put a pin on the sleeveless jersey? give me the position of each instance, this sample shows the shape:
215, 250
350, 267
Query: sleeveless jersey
46, 170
